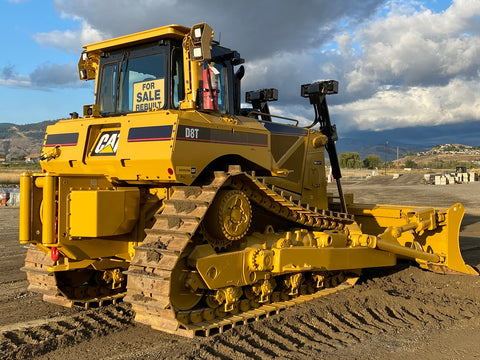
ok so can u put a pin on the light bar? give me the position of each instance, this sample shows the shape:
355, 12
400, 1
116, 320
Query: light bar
197, 53
197, 33
201, 39
261, 95
327, 87
82, 73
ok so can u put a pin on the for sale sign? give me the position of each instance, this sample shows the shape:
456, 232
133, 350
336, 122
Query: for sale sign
148, 95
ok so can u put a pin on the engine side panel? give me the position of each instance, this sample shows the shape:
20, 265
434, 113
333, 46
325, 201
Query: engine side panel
157, 146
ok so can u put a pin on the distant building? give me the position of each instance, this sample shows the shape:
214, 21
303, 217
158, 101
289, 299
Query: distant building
3, 158
32, 158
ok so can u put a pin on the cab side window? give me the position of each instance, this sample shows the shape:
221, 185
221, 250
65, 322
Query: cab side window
214, 87
178, 84
108, 88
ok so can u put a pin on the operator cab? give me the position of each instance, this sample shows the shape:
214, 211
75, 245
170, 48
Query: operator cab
150, 77
141, 78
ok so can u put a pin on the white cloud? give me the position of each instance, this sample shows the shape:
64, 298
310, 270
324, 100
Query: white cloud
407, 68
56, 75
10, 78
45, 77
398, 107
419, 49
398, 62
257, 29
71, 40
284, 71
18, 81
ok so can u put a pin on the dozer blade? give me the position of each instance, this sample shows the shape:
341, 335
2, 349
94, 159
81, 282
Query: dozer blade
434, 232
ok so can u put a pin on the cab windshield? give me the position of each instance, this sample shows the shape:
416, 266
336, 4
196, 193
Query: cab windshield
132, 81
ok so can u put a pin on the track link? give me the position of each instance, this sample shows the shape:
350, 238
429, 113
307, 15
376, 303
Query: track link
46, 283
150, 272
153, 275
267, 197
154, 270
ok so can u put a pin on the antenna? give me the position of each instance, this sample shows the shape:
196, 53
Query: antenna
217, 42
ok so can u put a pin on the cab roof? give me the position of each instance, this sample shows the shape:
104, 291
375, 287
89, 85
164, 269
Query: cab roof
165, 32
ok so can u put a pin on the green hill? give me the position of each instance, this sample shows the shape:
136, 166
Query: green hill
21, 140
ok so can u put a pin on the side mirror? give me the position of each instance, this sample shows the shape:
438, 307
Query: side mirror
240, 73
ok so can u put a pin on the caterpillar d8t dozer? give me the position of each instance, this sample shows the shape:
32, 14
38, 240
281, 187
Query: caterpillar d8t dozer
200, 213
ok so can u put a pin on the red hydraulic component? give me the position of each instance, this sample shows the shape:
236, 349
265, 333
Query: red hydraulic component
54, 253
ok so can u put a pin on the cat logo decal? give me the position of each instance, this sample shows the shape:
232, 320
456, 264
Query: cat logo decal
107, 143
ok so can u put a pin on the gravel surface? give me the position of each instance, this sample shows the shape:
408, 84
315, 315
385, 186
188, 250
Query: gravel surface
396, 313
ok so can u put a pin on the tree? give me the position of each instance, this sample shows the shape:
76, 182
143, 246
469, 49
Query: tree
372, 162
410, 164
350, 160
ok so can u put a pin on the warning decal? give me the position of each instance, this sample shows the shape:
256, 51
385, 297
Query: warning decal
148, 95
106, 144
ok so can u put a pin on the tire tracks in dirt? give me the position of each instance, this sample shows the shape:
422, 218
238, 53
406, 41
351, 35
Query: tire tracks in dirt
406, 301
38, 337
386, 303
388, 311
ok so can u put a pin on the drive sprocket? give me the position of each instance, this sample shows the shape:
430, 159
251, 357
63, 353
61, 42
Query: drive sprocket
228, 219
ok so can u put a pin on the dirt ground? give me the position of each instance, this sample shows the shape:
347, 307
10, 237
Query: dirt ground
397, 313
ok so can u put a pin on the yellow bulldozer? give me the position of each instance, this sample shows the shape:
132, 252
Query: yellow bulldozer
200, 213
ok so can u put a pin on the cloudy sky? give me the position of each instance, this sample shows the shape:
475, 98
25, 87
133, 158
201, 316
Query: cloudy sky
399, 63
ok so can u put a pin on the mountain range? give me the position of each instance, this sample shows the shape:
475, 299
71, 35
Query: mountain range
18, 141
22, 140
407, 139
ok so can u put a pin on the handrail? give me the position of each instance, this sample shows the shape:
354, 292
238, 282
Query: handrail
276, 116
